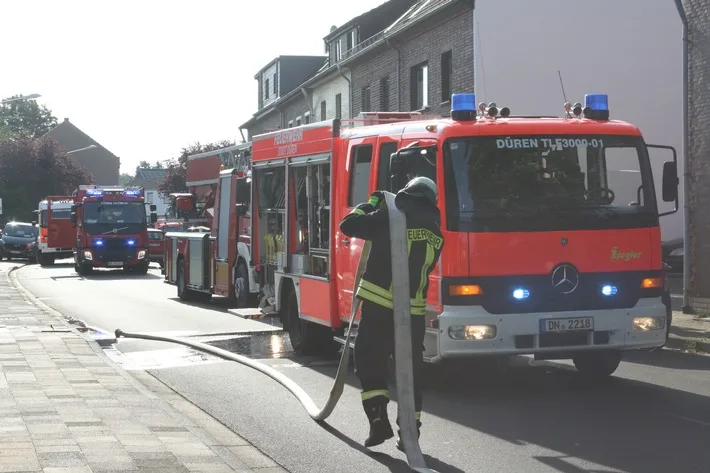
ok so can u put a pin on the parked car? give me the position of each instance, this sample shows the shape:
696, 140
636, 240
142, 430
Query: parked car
672, 251
19, 240
156, 246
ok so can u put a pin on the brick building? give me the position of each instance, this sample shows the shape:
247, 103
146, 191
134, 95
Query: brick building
698, 13
402, 55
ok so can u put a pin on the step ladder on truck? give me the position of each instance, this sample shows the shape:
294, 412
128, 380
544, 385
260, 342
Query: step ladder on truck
551, 228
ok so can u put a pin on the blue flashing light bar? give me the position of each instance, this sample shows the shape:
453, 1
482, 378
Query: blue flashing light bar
99, 242
131, 242
94, 192
132, 192
521, 294
463, 102
609, 290
597, 102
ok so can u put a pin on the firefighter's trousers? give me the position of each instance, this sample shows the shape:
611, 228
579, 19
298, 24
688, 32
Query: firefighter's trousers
373, 346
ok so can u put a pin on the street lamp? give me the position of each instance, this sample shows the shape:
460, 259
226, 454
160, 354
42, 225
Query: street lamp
82, 149
21, 97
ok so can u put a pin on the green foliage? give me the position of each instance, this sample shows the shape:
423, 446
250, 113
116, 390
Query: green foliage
25, 118
30, 170
176, 169
124, 179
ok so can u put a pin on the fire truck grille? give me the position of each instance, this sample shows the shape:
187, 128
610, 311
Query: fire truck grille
543, 297
115, 249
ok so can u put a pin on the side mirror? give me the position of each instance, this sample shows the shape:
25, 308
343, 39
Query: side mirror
670, 181
153, 216
242, 209
72, 217
153, 207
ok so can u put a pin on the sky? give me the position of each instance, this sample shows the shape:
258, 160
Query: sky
147, 78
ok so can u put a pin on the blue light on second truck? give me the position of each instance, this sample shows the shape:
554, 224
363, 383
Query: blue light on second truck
521, 293
463, 102
609, 290
597, 102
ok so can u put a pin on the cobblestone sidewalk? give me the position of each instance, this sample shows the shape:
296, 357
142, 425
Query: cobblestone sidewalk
66, 408
690, 333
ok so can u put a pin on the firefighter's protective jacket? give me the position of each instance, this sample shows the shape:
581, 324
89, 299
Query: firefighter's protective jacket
424, 245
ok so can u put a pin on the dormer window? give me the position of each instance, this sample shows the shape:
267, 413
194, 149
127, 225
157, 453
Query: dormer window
266, 89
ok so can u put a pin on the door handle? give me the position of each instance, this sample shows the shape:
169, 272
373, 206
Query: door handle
345, 242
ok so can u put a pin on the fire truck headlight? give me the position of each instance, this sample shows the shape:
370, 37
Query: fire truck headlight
141, 254
644, 324
88, 255
472, 332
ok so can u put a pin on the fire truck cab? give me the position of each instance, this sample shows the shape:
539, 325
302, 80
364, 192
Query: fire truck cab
111, 229
57, 238
551, 228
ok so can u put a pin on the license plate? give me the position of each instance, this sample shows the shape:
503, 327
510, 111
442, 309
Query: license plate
16, 252
572, 324
114, 263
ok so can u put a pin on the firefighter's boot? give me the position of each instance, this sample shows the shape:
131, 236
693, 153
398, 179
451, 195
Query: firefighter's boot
400, 445
380, 427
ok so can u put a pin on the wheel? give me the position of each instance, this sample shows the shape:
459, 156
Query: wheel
598, 364
241, 285
45, 260
141, 269
182, 291
84, 269
307, 338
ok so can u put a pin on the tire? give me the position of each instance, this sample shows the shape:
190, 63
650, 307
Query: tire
241, 286
141, 269
84, 269
307, 338
599, 364
184, 294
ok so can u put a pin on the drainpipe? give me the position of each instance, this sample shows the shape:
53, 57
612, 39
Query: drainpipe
473, 58
399, 61
304, 91
686, 164
350, 91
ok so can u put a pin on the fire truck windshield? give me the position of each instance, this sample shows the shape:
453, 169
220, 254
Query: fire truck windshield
63, 214
550, 182
114, 217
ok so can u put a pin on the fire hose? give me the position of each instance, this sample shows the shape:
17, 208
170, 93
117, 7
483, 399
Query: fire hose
404, 373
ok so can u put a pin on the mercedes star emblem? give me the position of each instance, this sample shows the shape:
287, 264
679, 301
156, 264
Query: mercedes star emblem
565, 278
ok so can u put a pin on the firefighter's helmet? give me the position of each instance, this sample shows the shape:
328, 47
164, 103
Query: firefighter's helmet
421, 188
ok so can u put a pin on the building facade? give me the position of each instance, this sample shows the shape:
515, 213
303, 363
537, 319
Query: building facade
100, 162
149, 179
698, 14
404, 55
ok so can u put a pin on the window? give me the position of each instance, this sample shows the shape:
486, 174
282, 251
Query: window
266, 89
383, 172
366, 99
307, 118
290, 123
338, 52
361, 162
338, 105
298, 121
446, 76
385, 94
349, 41
276, 87
322, 110
149, 197
419, 86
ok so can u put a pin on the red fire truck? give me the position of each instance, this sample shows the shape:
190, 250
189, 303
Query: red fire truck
219, 262
111, 228
57, 238
551, 226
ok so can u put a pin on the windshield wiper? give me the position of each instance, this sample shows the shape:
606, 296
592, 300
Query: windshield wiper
115, 230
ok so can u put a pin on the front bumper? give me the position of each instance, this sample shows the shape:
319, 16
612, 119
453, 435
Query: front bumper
521, 334
100, 258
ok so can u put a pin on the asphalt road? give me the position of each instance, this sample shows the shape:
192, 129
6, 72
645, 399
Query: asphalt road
652, 416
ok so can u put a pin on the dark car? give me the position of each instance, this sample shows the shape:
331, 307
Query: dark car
19, 240
672, 251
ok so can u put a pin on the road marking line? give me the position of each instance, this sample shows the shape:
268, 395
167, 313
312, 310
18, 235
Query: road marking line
689, 419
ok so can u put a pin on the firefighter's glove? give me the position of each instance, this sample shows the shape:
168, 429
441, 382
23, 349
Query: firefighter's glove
366, 207
376, 198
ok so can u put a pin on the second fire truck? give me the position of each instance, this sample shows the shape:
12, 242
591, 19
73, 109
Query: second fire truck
57, 238
111, 229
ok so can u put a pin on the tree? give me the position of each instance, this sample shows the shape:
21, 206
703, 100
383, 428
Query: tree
30, 170
176, 169
124, 179
25, 118
144, 165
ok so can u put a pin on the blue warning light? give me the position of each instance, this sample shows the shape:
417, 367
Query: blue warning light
99, 242
609, 290
597, 102
131, 242
463, 102
521, 294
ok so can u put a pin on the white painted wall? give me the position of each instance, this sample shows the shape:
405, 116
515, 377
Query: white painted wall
629, 49
327, 90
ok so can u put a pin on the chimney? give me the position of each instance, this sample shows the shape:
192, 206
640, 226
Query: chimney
66, 120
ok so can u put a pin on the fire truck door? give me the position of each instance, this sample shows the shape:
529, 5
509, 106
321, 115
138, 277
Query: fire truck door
224, 209
59, 228
348, 250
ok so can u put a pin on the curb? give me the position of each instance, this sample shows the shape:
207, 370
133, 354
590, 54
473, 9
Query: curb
104, 339
688, 344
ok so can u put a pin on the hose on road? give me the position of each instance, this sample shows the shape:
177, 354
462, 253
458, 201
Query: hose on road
403, 347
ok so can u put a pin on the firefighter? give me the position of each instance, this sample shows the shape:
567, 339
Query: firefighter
375, 338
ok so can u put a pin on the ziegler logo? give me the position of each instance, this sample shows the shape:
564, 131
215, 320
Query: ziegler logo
627, 256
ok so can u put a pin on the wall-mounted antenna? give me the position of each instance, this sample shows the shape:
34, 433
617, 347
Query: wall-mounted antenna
562, 85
